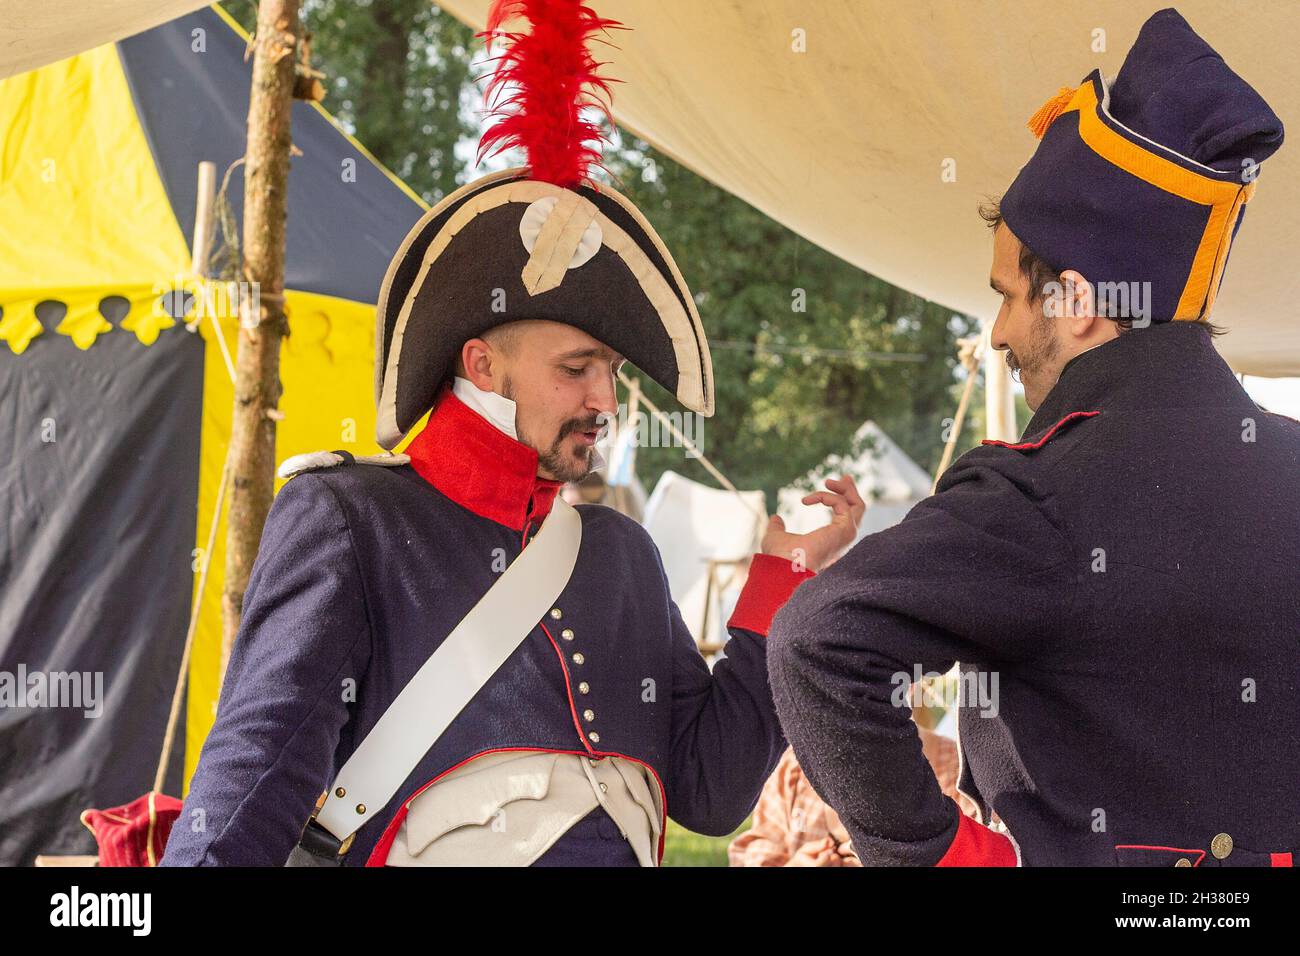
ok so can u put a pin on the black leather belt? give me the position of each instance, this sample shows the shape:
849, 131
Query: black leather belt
318, 847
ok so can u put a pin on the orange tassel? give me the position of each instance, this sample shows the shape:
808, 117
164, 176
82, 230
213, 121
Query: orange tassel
1049, 111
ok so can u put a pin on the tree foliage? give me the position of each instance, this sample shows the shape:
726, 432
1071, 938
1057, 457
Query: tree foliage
399, 74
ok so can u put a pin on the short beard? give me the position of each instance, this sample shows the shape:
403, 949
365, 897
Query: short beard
1043, 347
553, 460
557, 463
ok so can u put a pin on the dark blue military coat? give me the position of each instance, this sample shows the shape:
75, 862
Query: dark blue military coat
363, 570
1130, 572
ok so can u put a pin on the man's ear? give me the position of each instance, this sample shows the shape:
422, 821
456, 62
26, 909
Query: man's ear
1077, 302
478, 360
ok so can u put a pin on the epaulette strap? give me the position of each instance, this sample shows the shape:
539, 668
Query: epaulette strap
315, 460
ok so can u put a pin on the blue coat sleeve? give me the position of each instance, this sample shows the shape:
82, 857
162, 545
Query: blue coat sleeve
726, 738
978, 573
303, 642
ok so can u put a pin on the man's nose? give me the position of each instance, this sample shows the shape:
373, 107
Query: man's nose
997, 335
603, 398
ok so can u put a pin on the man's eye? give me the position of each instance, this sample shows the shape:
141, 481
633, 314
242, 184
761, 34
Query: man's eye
570, 370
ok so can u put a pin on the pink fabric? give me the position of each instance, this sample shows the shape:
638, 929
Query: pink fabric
792, 826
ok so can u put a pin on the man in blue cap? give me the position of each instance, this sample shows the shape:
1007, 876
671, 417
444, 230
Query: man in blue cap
1120, 585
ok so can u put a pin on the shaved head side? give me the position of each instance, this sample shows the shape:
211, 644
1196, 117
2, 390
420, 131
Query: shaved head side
503, 337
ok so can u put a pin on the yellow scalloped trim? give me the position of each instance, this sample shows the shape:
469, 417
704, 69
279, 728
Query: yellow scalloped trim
19, 326
147, 318
83, 323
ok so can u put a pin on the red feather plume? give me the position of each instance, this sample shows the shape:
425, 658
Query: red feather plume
554, 78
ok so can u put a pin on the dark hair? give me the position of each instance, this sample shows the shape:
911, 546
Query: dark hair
1039, 273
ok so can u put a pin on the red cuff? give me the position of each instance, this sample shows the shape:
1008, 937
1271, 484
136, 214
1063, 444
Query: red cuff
977, 845
771, 582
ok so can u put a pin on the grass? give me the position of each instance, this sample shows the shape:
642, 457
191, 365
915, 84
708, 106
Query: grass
684, 848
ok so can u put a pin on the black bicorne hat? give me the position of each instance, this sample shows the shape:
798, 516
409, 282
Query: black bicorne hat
541, 242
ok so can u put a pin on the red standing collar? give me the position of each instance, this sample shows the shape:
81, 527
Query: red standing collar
480, 467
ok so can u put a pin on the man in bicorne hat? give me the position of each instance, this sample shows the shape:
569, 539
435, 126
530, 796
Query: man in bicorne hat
1120, 586
504, 317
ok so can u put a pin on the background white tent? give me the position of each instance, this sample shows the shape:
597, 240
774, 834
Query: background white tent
848, 141
703, 534
890, 482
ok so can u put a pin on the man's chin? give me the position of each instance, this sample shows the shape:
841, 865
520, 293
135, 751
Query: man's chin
572, 466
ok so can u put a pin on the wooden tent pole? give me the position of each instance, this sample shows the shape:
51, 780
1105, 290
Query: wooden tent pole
251, 456
201, 246
200, 254
968, 351
687, 443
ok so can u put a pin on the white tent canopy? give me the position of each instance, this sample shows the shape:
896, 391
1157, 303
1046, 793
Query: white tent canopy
846, 143
839, 119
704, 535
36, 32
889, 481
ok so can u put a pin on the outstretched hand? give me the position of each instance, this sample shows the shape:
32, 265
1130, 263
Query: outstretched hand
814, 550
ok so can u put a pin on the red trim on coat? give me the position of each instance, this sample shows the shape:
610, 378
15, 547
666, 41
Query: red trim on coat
771, 581
568, 689
1280, 859
977, 845
1199, 854
1032, 446
480, 467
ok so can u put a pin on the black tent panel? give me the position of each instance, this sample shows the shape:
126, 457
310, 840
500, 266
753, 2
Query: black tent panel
99, 464
190, 85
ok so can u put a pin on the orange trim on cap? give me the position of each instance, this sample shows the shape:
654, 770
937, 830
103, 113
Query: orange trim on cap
1223, 198
1225, 243
1049, 111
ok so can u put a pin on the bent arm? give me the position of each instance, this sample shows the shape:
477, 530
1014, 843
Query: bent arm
977, 573
726, 737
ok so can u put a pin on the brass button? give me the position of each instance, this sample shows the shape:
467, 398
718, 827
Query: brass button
594, 737
340, 792
588, 715
567, 634
578, 659
604, 788
1183, 861
555, 613
1221, 846
584, 688
361, 809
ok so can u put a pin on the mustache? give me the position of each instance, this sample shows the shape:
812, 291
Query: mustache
589, 424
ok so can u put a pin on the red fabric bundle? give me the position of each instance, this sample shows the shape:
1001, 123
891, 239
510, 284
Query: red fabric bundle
134, 834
